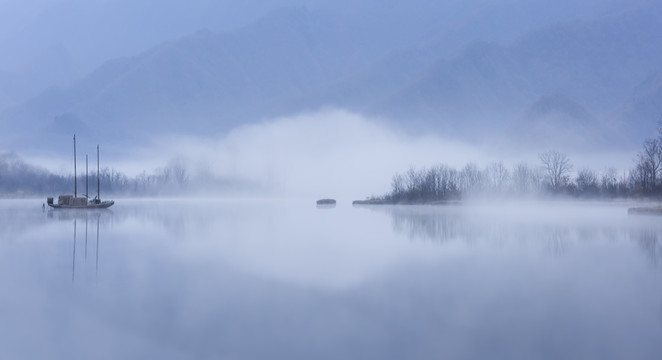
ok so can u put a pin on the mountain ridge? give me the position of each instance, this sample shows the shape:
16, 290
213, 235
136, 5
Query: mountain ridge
207, 83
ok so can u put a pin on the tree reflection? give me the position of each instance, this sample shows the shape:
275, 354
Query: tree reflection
553, 234
421, 224
650, 242
443, 225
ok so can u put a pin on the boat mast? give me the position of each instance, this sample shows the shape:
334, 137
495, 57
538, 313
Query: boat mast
98, 179
87, 180
75, 180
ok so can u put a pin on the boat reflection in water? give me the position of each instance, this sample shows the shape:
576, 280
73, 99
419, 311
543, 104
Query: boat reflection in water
92, 220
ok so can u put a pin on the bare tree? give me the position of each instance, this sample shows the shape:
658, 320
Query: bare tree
414, 182
446, 186
587, 182
557, 167
648, 166
526, 179
470, 179
178, 171
609, 182
397, 186
497, 178
433, 184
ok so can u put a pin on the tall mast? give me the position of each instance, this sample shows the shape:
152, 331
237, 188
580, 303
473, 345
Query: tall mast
75, 179
87, 181
98, 179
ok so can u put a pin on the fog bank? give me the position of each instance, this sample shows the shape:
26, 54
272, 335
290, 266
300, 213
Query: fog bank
332, 153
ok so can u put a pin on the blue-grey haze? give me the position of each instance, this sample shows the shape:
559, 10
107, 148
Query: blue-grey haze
316, 98
566, 75
254, 279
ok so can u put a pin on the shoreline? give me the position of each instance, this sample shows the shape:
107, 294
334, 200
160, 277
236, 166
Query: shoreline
635, 205
420, 202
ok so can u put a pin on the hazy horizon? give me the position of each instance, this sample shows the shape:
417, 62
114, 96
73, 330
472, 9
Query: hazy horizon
331, 179
330, 153
315, 97
456, 73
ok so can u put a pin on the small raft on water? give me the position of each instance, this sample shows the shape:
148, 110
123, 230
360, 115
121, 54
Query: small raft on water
326, 202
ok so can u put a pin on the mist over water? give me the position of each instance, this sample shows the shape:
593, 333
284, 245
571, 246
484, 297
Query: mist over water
222, 122
283, 279
333, 153
327, 153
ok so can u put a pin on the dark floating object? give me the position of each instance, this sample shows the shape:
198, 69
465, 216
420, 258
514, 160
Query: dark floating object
645, 210
326, 202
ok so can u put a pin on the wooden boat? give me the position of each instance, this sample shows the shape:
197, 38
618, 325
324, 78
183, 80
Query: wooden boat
76, 202
71, 202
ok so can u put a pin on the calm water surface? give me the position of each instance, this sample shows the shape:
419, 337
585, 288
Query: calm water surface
283, 279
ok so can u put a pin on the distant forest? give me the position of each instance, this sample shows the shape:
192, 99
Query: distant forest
551, 177
19, 179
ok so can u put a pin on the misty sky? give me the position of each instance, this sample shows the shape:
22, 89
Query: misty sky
433, 81
81, 35
98, 30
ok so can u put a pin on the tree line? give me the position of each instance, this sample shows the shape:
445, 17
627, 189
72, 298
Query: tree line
552, 176
19, 179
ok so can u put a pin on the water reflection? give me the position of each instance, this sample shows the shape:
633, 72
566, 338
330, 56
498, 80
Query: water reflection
260, 279
650, 241
96, 266
326, 206
15, 214
554, 229
82, 220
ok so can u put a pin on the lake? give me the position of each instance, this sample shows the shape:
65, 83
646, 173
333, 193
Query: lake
284, 279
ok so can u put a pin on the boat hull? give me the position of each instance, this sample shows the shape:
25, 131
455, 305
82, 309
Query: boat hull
101, 205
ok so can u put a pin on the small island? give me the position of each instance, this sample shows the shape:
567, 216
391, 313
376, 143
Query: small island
389, 201
326, 202
553, 177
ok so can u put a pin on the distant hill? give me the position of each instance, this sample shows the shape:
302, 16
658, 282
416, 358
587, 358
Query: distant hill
597, 64
202, 83
556, 121
488, 87
92, 32
364, 58
642, 114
